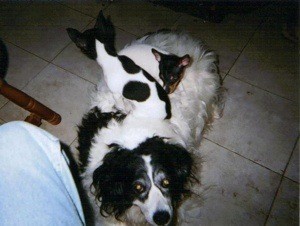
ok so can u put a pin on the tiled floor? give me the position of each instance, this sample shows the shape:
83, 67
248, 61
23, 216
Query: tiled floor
251, 156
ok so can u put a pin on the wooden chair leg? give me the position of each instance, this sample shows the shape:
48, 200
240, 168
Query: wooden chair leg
38, 110
34, 119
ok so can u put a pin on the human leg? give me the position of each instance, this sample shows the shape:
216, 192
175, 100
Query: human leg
36, 185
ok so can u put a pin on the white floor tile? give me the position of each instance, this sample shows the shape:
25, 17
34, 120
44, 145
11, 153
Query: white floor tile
227, 38
89, 7
270, 61
292, 171
256, 124
23, 66
40, 28
286, 207
62, 92
234, 191
140, 17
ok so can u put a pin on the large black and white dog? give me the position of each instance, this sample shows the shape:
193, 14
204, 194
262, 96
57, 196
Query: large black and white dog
136, 167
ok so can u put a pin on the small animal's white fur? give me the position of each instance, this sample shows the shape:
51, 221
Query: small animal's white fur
195, 100
116, 78
134, 51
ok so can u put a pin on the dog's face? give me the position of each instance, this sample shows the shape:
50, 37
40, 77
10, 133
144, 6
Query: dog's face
152, 177
171, 69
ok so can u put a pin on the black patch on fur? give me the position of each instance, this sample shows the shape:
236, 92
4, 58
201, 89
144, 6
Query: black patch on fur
161, 94
114, 180
106, 33
164, 97
128, 65
91, 123
138, 91
148, 76
3, 59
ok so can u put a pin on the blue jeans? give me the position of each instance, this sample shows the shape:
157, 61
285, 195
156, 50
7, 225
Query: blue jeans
36, 185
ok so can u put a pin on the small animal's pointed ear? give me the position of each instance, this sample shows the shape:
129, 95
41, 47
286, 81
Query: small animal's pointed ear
100, 20
185, 60
73, 34
77, 38
156, 54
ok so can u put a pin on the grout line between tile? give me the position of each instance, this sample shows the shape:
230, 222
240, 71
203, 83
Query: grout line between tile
243, 156
72, 73
285, 177
260, 88
127, 31
63, 4
73, 141
228, 72
70, 42
2, 120
22, 88
27, 51
4, 104
281, 179
241, 52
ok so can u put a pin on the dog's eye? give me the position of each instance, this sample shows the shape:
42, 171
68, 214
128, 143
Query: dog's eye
165, 183
139, 188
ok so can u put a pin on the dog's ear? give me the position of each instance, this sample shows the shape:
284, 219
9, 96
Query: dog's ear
158, 55
78, 38
185, 60
182, 162
112, 181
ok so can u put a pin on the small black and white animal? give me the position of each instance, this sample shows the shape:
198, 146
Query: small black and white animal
122, 76
168, 70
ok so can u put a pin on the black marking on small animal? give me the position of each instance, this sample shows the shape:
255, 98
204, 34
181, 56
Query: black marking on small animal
103, 31
164, 97
85, 41
148, 76
138, 91
91, 123
128, 65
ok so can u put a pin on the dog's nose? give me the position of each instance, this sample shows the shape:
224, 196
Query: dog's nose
161, 217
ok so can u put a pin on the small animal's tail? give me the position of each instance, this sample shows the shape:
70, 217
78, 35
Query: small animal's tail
3, 59
105, 31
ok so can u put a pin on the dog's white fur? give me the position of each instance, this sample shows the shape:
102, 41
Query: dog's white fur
196, 99
156, 200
